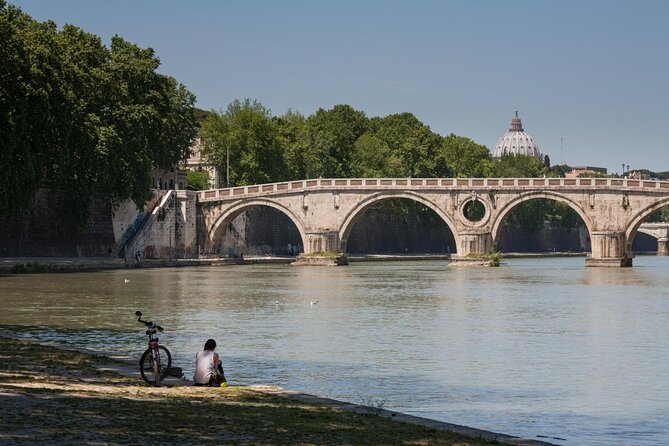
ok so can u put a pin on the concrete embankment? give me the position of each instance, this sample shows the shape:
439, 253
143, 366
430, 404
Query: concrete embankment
82, 397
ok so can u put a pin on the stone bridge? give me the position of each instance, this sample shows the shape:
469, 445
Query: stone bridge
661, 232
326, 210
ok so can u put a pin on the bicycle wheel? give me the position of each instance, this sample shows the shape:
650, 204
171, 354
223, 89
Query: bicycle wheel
146, 365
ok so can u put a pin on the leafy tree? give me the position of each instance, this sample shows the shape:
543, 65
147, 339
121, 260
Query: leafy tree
372, 158
547, 161
559, 170
292, 137
517, 166
331, 137
81, 119
24, 110
151, 122
198, 179
411, 145
248, 134
462, 157
660, 216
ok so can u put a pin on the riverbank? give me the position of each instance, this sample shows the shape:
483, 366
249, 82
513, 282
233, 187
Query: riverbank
30, 265
54, 396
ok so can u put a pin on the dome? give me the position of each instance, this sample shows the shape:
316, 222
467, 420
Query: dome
516, 141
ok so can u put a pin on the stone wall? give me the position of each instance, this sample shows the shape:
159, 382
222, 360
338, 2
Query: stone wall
545, 240
169, 231
382, 232
43, 230
261, 231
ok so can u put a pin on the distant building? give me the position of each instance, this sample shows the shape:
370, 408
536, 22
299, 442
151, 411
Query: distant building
174, 178
578, 171
516, 141
196, 162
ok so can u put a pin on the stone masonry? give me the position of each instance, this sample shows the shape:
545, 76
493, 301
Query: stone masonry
325, 210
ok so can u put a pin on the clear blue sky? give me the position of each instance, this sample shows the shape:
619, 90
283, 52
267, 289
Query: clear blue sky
595, 73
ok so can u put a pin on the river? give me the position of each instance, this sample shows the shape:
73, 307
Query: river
537, 348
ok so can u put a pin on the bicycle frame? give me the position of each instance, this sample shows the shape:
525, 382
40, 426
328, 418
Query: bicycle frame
151, 356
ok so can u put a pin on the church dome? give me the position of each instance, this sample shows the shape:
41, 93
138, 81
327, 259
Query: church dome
516, 141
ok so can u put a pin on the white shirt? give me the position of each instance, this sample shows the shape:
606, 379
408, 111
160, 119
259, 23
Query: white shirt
204, 366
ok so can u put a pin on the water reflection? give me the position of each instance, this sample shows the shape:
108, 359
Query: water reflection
538, 347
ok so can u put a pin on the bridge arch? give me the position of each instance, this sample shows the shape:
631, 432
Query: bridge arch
648, 232
636, 221
358, 210
215, 233
506, 209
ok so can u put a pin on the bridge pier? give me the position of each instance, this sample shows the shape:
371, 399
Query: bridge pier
663, 246
473, 247
474, 243
321, 242
608, 249
321, 248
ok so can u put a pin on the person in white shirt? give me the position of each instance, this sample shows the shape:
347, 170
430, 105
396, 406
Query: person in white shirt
208, 369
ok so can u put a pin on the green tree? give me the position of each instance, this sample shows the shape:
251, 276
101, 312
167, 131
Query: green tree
661, 215
517, 166
24, 108
461, 157
246, 133
411, 145
292, 137
83, 120
559, 170
372, 158
331, 137
198, 179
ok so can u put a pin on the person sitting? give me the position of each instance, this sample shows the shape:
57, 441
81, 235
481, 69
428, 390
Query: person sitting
208, 368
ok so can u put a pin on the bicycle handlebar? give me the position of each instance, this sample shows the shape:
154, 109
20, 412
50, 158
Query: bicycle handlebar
147, 323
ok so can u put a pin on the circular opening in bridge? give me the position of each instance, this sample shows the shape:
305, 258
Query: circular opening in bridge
400, 226
474, 211
543, 225
258, 231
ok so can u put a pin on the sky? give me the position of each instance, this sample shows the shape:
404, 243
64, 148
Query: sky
589, 78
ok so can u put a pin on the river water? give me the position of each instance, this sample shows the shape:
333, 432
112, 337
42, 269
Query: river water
538, 347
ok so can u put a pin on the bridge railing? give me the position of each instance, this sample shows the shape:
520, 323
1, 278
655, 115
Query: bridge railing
430, 183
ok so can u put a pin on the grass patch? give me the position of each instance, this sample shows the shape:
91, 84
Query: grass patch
52, 396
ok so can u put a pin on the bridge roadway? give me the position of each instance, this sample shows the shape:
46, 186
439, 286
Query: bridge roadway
325, 210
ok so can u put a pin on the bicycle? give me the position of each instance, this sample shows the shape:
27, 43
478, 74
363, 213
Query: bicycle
156, 360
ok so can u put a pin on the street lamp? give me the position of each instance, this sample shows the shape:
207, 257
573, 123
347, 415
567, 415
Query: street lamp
227, 168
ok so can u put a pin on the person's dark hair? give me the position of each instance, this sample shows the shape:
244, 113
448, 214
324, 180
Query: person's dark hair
210, 344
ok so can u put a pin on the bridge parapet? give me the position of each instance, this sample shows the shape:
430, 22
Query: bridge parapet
285, 187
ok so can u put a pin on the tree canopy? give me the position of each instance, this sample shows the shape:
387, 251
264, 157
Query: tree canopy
343, 142
82, 119
246, 134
